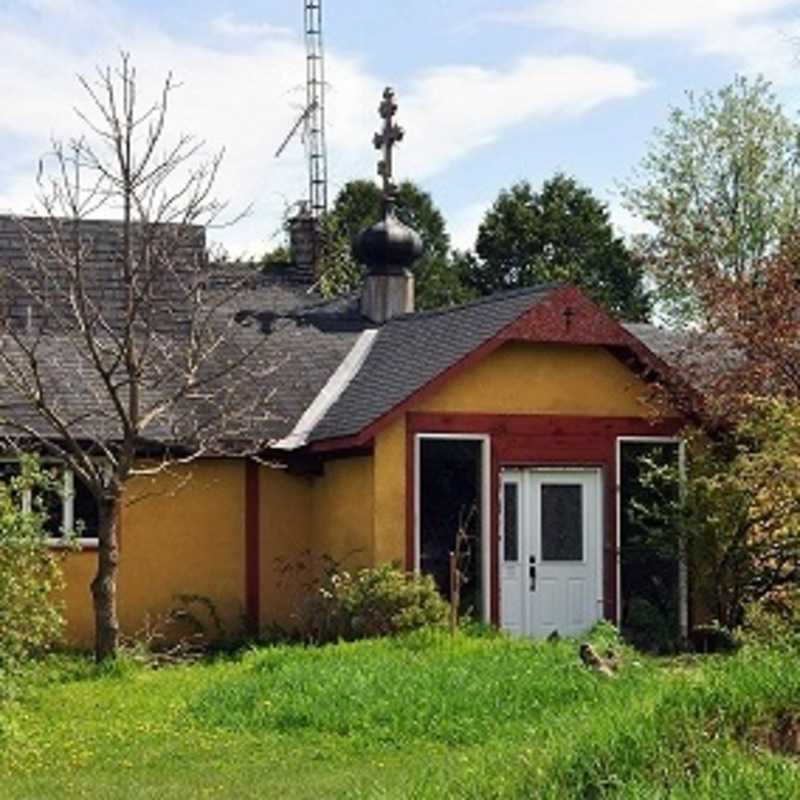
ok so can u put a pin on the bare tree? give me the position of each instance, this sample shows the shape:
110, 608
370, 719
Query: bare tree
121, 350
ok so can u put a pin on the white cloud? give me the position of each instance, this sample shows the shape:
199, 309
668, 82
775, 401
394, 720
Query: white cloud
226, 25
771, 50
246, 99
638, 18
454, 110
758, 35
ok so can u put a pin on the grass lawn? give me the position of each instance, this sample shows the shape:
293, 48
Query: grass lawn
420, 717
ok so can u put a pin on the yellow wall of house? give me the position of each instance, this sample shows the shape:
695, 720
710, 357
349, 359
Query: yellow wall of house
519, 378
180, 534
303, 521
187, 535
342, 504
390, 493
523, 378
285, 517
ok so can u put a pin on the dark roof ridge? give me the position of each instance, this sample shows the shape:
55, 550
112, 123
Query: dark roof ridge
494, 297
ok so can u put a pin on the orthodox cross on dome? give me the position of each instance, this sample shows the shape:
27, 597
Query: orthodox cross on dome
385, 141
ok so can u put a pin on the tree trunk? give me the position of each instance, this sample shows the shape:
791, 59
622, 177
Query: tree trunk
104, 585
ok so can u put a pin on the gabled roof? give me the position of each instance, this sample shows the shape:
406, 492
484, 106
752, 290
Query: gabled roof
326, 374
414, 353
411, 350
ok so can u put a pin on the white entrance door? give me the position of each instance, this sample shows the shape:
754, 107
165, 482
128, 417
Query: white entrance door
550, 551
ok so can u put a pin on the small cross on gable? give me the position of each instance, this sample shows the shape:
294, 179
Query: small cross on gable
385, 141
569, 314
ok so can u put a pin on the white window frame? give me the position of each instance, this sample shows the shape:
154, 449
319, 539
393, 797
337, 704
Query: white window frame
67, 506
486, 465
683, 572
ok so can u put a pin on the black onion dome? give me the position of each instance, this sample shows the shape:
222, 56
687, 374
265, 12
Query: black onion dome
388, 247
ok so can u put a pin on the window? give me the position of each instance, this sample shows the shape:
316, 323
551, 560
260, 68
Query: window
510, 522
69, 506
562, 522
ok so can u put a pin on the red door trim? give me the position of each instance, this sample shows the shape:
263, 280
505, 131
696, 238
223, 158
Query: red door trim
542, 441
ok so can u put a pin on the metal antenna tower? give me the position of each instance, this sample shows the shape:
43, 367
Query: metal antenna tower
315, 109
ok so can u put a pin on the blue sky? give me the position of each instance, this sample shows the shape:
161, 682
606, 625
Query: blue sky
490, 91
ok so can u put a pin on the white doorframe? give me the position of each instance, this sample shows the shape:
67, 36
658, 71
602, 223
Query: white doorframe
683, 575
516, 473
486, 491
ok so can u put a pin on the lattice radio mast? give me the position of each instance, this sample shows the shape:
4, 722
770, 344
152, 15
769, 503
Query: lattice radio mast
305, 227
315, 105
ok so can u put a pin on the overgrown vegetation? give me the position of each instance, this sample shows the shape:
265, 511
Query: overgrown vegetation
420, 716
30, 572
737, 512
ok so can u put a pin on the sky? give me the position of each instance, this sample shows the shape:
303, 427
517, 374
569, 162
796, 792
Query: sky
490, 91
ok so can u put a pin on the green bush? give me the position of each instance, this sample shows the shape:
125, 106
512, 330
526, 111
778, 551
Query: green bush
774, 621
30, 573
379, 601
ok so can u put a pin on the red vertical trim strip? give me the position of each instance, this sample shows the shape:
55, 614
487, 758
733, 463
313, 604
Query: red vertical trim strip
410, 499
494, 534
610, 550
252, 546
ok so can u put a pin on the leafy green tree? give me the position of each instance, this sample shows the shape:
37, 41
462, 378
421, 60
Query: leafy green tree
359, 205
280, 256
561, 233
720, 187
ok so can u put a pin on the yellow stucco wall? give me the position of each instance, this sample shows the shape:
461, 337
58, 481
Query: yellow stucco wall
518, 378
187, 536
285, 516
180, 534
342, 503
522, 378
305, 519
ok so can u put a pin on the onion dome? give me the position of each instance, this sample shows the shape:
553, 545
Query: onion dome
389, 247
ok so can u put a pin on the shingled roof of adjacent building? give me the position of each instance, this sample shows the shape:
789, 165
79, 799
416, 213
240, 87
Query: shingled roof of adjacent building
410, 351
302, 337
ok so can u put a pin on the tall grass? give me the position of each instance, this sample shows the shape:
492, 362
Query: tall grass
424, 716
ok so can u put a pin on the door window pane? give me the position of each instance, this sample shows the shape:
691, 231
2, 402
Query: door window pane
562, 522
511, 522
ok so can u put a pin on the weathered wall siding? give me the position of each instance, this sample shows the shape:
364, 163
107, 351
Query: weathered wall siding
522, 378
183, 536
342, 512
285, 516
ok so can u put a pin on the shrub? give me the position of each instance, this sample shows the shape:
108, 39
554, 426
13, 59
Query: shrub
738, 511
30, 620
774, 620
371, 602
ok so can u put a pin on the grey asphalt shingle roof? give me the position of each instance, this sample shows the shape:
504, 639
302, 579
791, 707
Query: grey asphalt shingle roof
411, 350
301, 342
299, 338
